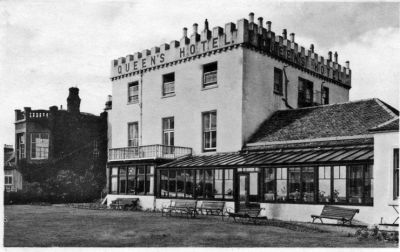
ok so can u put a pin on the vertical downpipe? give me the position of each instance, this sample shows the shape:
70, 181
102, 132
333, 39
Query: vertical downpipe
141, 108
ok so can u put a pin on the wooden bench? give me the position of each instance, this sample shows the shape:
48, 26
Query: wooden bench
125, 204
247, 215
212, 208
336, 213
180, 206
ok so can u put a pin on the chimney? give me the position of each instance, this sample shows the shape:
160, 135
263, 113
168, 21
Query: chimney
251, 17
284, 34
108, 103
348, 64
184, 32
269, 25
206, 25
330, 56
73, 100
260, 22
292, 37
195, 26
336, 57
312, 48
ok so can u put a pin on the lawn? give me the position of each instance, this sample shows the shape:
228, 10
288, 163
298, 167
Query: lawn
38, 226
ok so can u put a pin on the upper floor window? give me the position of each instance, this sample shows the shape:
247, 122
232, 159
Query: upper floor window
325, 95
8, 177
278, 81
133, 92
21, 145
210, 74
305, 97
396, 174
209, 131
39, 146
133, 134
168, 131
168, 84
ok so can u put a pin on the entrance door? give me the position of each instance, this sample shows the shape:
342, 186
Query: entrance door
243, 190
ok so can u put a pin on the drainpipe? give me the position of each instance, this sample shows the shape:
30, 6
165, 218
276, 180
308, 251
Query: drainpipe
141, 107
286, 87
322, 86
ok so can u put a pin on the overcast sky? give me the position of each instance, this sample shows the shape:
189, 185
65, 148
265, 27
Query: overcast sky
47, 47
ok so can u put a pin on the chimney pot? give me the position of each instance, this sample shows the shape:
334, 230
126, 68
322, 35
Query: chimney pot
330, 55
206, 25
284, 34
312, 48
260, 22
251, 17
336, 57
195, 26
184, 32
348, 64
292, 37
269, 25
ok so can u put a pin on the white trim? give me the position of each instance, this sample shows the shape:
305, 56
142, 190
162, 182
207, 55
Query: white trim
311, 140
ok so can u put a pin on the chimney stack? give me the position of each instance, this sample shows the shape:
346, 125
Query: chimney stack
206, 25
312, 48
330, 56
348, 64
292, 37
269, 25
260, 22
251, 17
284, 34
336, 57
184, 32
195, 26
73, 100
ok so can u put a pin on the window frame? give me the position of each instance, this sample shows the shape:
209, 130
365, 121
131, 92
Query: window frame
8, 179
171, 83
210, 130
131, 97
278, 87
211, 84
305, 85
147, 177
43, 151
169, 131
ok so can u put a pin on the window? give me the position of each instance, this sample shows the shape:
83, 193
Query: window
168, 84
39, 145
210, 74
339, 184
133, 134
114, 180
208, 183
137, 180
8, 178
281, 184
305, 96
278, 81
96, 152
324, 182
210, 131
21, 145
133, 92
219, 185
168, 131
122, 180
396, 174
325, 95
228, 184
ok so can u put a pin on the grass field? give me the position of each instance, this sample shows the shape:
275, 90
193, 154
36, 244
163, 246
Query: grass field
38, 226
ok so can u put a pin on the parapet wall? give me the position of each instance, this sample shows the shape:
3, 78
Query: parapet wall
244, 33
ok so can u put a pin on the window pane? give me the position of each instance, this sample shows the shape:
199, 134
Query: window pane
164, 183
228, 184
281, 184
339, 184
213, 139
122, 179
308, 185
172, 183
114, 183
207, 142
209, 177
218, 190
213, 120
131, 180
355, 183
180, 183
199, 184
141, 184
206, 121
324, 193
269, 184
189, 174
294, 184
369, 185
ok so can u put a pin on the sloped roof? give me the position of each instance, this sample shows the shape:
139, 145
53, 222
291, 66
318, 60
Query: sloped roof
336, 120
392, 125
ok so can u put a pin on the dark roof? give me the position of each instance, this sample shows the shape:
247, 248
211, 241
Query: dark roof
319, 155
336, 120
392, 125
